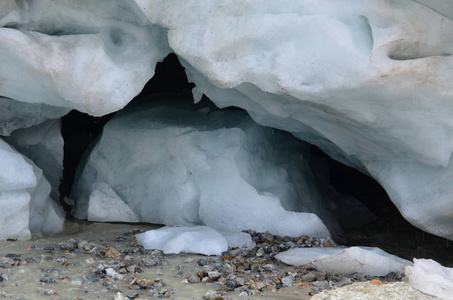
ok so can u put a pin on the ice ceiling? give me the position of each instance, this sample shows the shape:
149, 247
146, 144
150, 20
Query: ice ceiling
365, 81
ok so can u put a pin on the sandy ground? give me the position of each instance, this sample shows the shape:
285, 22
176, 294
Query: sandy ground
40, 269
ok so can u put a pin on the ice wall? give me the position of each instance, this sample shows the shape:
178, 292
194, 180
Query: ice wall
43, 144
175, 165
366, 81
25, 205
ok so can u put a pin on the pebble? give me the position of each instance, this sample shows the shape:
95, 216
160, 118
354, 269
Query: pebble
244, 271
193, 279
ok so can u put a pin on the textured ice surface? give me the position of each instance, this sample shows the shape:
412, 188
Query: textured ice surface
196, 239
429, 277
174, 165
236, 239
365, 260
366, 81
105, 206
363, 80
43, 144
15, 114
91, 56
25, 205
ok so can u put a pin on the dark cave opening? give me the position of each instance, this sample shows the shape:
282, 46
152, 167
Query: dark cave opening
390, 231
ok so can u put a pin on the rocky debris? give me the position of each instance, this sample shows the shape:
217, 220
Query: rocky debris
253, 269
121, 268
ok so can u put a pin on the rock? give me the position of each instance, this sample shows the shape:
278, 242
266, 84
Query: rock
267, 237
202, 262
193, 279
287, 281
120, 296
310, 276
214, 275
368, 291
133, 295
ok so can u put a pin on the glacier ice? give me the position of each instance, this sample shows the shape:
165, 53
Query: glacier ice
90, 56
15, 114
431, 278
365, 81
24, 198
366, 260
104, 205
174, 163
196, 239
43, 144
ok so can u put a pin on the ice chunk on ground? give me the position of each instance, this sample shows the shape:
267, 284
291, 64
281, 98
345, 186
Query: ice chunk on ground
105, 206
43, 144
174, 164
429, 277
236, 239
366, 260
197, 239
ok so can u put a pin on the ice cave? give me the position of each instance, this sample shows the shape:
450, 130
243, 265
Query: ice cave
313, 118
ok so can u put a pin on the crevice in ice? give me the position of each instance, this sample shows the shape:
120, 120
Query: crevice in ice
442, 7
390, 231
79, 130
405, 50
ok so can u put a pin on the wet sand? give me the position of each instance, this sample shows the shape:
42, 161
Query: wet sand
40, 268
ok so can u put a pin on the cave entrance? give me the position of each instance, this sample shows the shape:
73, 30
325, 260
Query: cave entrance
390, 231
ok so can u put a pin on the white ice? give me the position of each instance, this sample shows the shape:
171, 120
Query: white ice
104, 205
15, 115
431, 278
365, 81
43, 144
365, 260
197, 239
25, 205
174, 165
90, 56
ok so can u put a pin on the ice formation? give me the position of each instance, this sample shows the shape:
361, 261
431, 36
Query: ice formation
15, 115
90, 56
104, 205
365, 260
175, 165
196, 239
431, 278
43, 144
25, 205
366, 81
